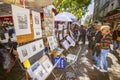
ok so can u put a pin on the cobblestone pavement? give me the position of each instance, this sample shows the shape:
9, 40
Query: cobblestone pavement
83, 69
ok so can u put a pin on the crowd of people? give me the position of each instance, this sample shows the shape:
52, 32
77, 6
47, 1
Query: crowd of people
100, 38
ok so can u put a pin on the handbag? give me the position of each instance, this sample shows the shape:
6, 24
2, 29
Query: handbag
118, 37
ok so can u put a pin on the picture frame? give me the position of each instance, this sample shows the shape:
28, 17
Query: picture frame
47, 65
65, 44
36, 19
40, 45
37, 33
37, 72
51, 42
21, 19
24, 52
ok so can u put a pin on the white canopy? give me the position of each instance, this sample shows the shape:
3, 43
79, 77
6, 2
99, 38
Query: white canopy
61, 17
70, 15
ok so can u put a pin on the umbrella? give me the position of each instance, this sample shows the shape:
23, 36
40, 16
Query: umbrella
70, 15
63, 18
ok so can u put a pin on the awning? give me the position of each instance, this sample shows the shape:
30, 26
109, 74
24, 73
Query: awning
29, 3
113, 17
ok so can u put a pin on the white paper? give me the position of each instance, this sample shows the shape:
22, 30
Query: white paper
47, 65
60, 36
21, 18
60, 27
24, 52
65, 32
66, 44
37, 33
36, 19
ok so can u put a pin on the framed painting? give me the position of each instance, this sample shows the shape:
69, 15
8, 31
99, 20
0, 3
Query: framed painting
21, 19
36, 19
24, 52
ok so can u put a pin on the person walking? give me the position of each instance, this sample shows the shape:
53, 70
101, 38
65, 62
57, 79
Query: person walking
90, 33
105, 48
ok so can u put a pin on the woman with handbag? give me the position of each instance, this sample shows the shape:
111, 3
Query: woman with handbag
105, 48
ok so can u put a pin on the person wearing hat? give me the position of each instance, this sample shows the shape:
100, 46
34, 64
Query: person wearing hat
105, 48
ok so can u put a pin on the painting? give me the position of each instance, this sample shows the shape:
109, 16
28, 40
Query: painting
40, 45
24, 52
51, 42
65, 44
37, 33
47, 12
49, 28
33, 48
37, 72
36, 19
47, 65
21, 19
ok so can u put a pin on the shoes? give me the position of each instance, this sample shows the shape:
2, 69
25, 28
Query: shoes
102, 70
96, 67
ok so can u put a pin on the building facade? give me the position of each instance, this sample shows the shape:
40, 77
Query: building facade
107, 11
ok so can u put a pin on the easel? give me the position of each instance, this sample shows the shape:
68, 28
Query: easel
73, 62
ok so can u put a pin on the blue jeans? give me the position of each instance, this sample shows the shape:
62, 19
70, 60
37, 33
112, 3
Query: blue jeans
95, 57
114, 45
102, 59
118, 44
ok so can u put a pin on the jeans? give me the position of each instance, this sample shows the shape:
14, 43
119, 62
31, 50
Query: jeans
114, 45
118, 44
95, 57
102, 59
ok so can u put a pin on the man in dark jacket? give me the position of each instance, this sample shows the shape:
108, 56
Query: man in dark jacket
96, 41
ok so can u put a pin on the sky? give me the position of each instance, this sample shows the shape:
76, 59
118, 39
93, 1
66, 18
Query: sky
90, 11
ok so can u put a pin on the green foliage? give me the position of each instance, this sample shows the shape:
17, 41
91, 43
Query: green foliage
76, 7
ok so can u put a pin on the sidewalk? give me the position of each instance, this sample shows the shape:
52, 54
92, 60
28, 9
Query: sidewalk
84, 70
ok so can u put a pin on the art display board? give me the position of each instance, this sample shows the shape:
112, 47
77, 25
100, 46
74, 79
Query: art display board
65, 44
41, 69
28, 50
21, 18
26, 37
36, 24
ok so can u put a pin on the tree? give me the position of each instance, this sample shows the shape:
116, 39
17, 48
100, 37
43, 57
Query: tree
76, 7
